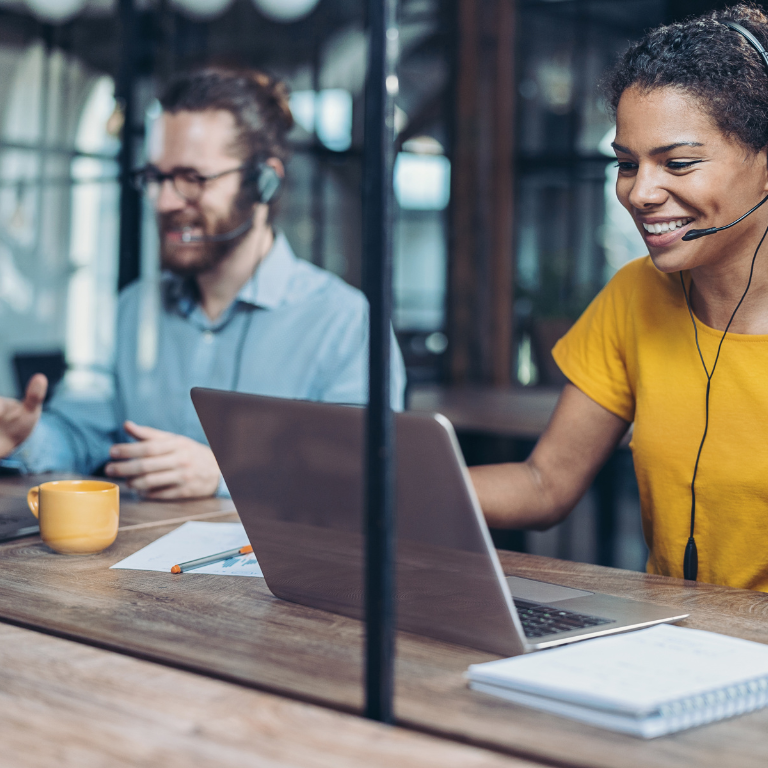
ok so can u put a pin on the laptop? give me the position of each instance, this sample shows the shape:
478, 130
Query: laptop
16, 521
295, 472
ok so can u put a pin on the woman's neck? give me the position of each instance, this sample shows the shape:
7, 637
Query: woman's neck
716, 289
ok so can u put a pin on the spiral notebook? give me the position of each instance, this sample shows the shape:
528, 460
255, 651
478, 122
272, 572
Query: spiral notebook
645, 683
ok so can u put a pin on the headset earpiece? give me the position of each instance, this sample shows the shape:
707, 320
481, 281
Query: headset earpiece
268, 184
264, 181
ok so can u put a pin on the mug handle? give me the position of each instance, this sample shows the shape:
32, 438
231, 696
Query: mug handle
33, 500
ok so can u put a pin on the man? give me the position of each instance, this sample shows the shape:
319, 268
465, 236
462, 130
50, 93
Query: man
237, 309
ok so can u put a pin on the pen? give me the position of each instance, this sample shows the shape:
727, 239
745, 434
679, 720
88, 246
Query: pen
201, 561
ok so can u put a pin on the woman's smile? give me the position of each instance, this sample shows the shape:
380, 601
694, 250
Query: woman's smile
658, 231
678, 171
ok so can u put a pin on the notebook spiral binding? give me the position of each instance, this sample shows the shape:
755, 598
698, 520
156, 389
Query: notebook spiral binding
713, 698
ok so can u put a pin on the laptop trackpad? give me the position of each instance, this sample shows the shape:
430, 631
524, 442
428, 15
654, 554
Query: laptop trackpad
541, 591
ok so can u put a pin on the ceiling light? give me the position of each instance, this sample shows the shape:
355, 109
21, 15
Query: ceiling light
55, 11
202, 9
422, 182
285, 10
327, 113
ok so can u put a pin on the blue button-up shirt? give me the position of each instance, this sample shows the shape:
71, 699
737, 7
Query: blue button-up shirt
293, 331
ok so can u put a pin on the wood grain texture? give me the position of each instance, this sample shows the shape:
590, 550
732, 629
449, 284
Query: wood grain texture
234, 629
66, 704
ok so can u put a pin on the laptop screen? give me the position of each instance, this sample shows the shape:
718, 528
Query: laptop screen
295, 472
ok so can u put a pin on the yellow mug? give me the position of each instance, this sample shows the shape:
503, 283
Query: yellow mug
77, 517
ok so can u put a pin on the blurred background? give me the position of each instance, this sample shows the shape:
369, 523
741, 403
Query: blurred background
506, 223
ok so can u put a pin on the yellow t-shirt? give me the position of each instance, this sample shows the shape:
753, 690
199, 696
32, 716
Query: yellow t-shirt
633, 352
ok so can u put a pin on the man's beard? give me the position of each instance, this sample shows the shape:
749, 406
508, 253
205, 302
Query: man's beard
195, 258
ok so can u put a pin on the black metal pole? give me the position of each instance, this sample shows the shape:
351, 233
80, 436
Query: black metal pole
377, 277
130, 200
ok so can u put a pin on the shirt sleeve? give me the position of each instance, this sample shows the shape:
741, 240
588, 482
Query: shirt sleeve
345, 372
593, 354
73, 435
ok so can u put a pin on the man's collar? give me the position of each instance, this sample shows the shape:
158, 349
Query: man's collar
267, 287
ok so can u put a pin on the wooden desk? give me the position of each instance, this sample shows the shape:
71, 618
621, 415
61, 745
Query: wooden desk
133, 512
517, 412
233, 629
64, 703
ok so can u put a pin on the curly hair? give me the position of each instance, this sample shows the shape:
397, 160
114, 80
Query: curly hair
705, 59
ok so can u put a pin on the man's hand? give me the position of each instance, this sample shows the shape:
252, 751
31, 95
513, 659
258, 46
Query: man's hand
18, 417
162, 465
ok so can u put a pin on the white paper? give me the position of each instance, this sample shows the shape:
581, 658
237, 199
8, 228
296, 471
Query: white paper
636, 672
191, 541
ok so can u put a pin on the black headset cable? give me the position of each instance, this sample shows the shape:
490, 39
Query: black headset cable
691, 558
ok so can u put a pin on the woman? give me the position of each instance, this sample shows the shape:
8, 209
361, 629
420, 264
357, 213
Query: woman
691, 106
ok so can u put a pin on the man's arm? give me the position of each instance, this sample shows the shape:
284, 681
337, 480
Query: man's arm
541, 491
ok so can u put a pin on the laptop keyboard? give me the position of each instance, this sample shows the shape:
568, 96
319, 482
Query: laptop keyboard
539, 620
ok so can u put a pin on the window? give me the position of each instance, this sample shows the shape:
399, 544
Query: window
58, 210
93, 245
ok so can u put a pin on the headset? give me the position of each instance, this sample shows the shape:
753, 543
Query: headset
264, 182
691, 557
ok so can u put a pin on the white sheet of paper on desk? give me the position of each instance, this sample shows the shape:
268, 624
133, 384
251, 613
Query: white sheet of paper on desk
191, 541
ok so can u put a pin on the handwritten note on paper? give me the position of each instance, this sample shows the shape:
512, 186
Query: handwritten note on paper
191, 541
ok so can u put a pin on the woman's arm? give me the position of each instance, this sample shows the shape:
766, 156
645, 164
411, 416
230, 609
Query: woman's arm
541, 491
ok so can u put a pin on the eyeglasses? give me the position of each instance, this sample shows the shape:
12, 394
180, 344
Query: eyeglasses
187, 184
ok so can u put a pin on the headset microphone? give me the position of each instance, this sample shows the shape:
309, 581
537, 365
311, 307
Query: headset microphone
267, 183
694, 234
241, 229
